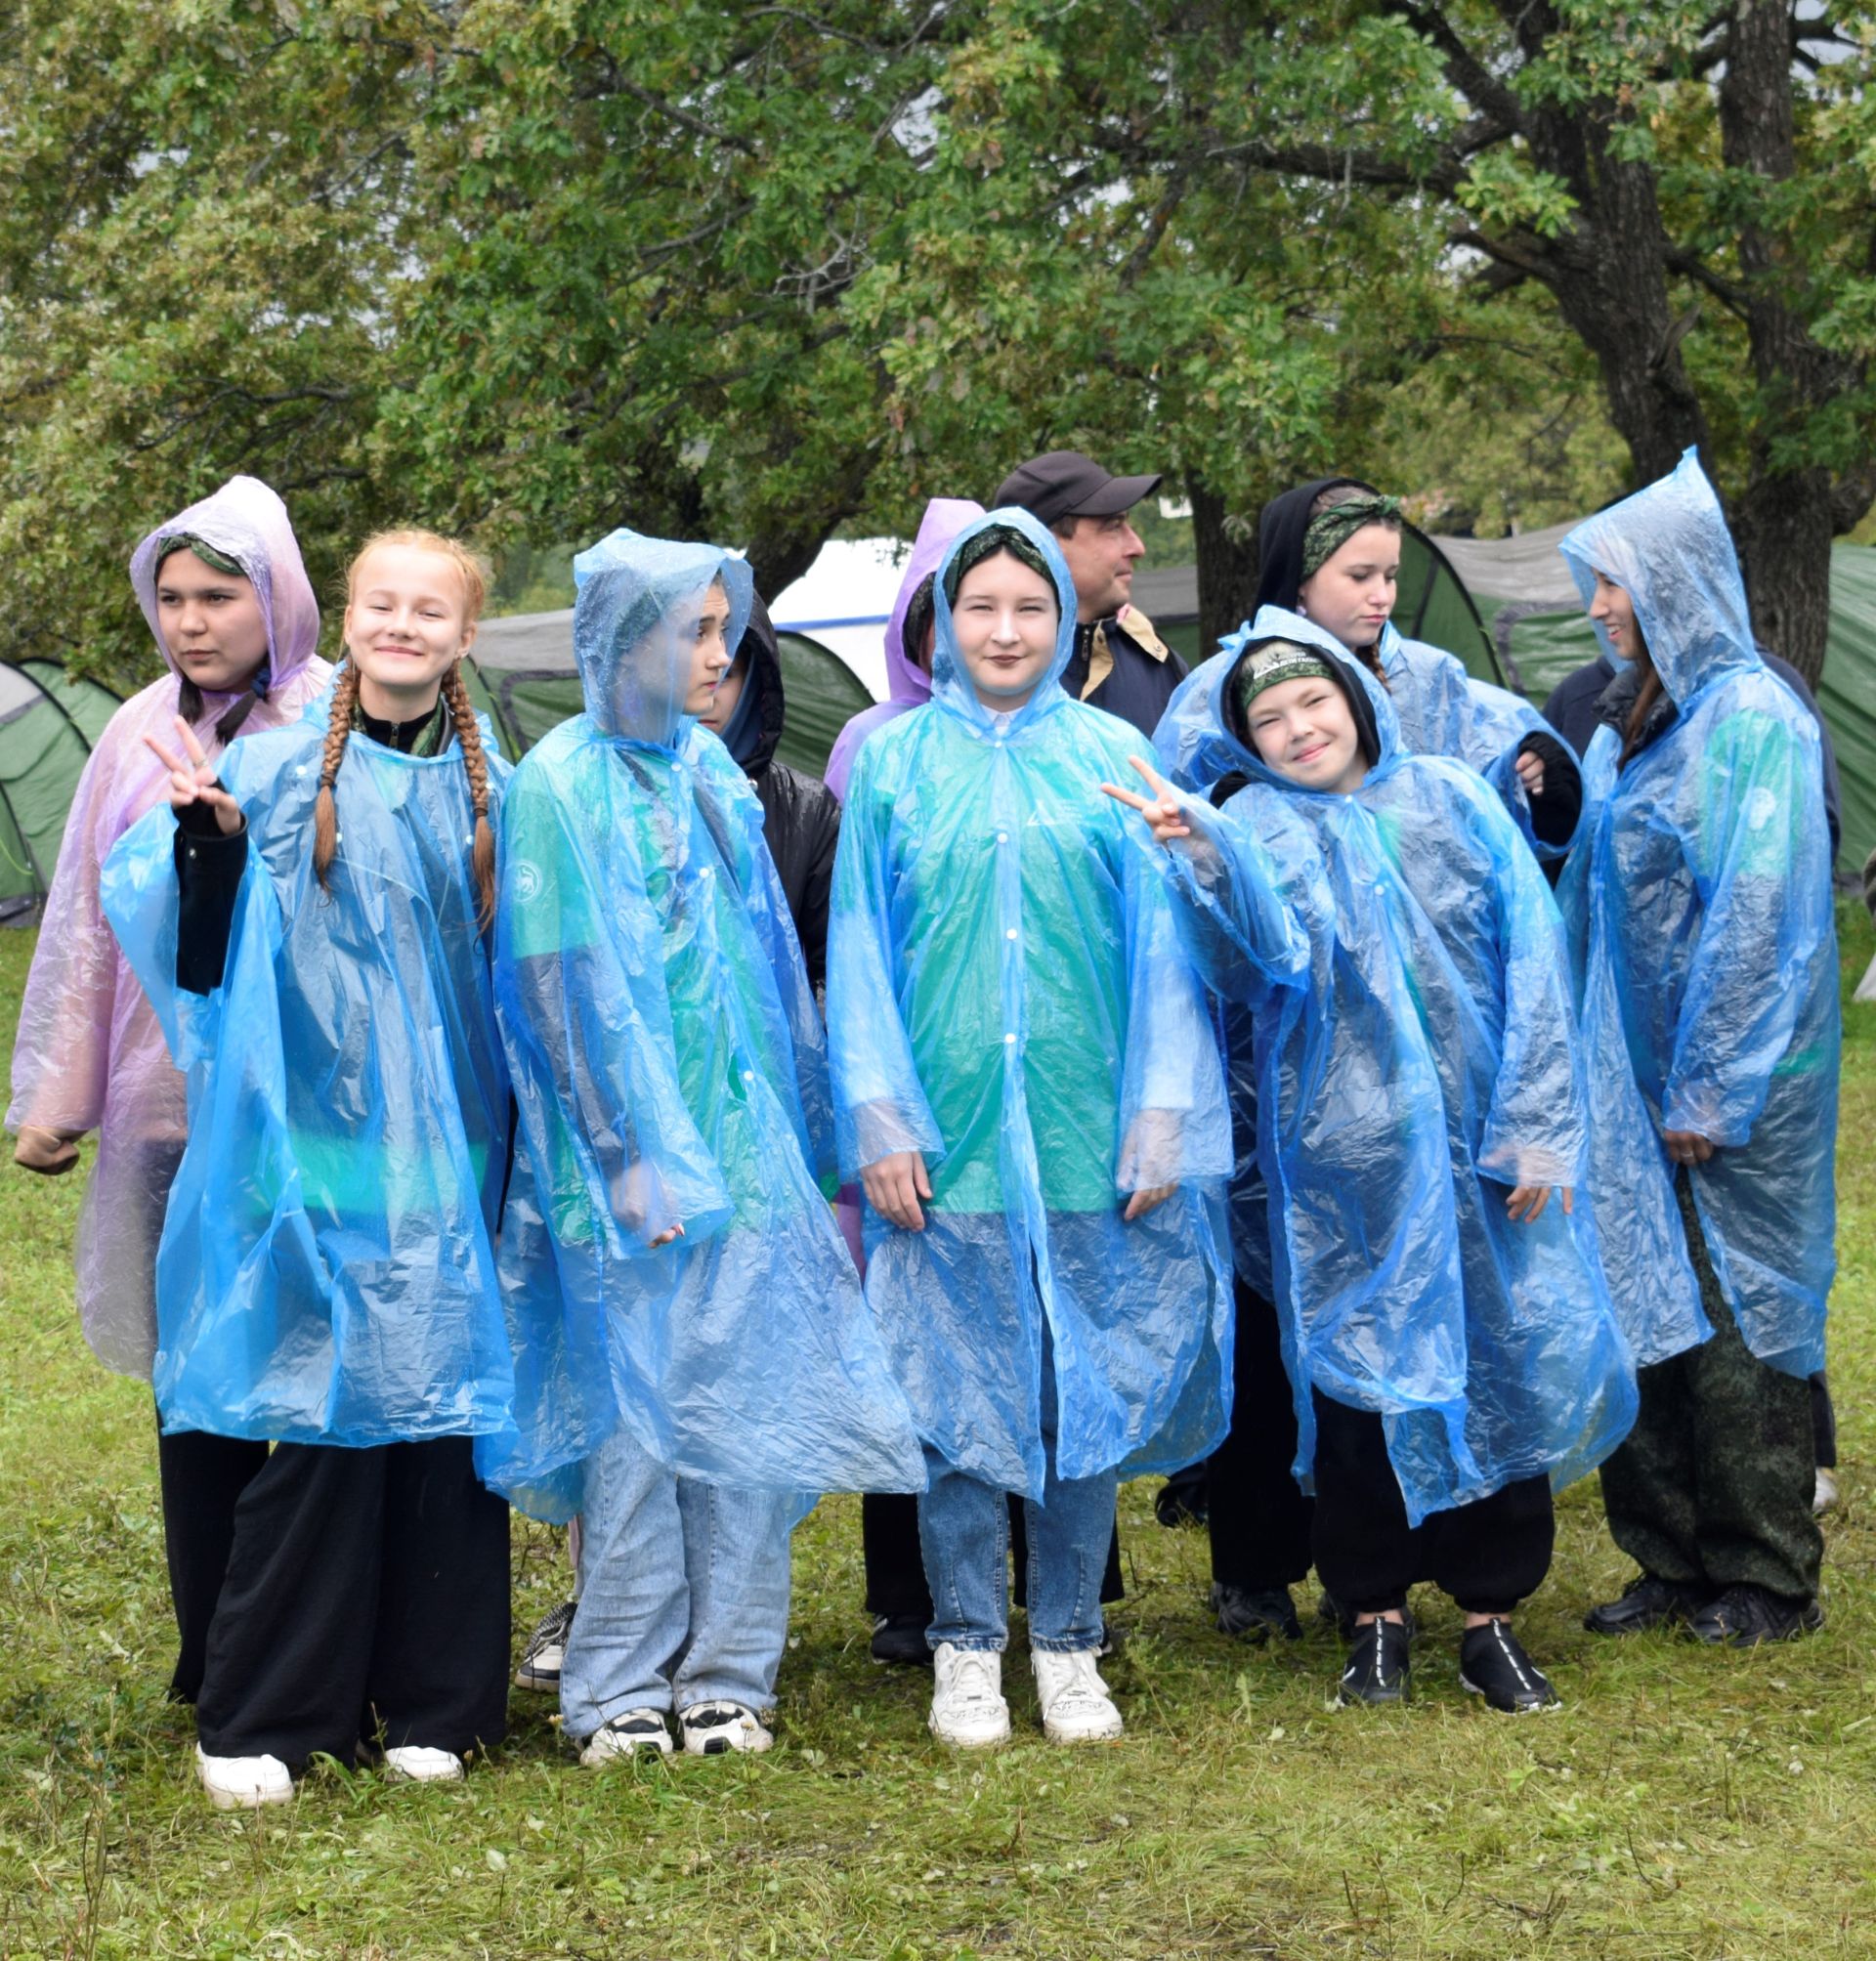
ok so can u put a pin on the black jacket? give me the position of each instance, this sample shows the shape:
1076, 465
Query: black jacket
1583, 700
1134, 671
801, 814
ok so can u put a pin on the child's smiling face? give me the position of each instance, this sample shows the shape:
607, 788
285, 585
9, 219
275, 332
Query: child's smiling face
1305, 731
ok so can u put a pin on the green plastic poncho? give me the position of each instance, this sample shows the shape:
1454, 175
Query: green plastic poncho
1706, 951
670, 1070
1414, 1057
1005, 994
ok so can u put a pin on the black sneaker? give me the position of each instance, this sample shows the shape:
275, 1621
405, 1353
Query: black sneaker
1378, 1666
1255, 1614
1184, 1499
1332, 1614
1648, 1601
1492, 1663
1745, 1615
899, 1642
546, 1649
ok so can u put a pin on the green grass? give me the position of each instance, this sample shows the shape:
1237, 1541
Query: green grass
1683, 1804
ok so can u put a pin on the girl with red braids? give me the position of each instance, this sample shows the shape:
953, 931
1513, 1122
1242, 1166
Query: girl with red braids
311, 928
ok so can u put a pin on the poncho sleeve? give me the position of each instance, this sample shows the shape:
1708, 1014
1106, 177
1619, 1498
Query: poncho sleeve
1536, 1125
62, 1054
1175, 1123
1240, 930
587, 1024
1760, 862
879, 1102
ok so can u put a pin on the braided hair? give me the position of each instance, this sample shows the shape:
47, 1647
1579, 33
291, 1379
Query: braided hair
455, 697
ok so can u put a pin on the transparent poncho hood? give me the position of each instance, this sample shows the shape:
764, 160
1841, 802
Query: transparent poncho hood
1195, 739
635, 611
950, 683
247, 521
1669, 549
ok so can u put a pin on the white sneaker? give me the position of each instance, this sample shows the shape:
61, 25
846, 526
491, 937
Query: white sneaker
244, 1784
625, 1736
1823, 1496
1076, 1705
968, 1706
714, 1728
420, 1764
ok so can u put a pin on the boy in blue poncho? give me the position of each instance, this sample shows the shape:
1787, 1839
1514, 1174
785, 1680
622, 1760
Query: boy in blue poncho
1451, 1347
309, 930
1701, 924
715, 1357
1027, 1083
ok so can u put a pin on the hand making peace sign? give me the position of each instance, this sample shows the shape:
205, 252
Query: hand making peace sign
1162, 811
194, 781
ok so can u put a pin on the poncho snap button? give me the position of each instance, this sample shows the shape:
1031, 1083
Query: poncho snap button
1010, 934
1008, 1039
1003, 837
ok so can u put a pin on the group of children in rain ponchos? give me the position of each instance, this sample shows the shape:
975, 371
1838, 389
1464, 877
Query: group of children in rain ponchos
633, 1303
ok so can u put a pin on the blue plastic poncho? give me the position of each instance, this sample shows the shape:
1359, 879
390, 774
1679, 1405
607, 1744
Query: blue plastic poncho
670, 1069
1005, 994
1442, 711
327, 1269
1403, 967
1706, 950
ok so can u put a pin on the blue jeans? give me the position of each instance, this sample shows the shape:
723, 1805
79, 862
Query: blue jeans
963, 1532
683, 1591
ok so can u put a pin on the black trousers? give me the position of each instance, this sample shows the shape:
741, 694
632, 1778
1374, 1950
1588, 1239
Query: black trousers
1488, 1555
201, 1476
896, 1567
366, 1600
1259, 1517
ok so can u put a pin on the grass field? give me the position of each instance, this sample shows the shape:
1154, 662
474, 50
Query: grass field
1684, 1803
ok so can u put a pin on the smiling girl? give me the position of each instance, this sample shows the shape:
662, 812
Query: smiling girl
310, 928
1028, 1087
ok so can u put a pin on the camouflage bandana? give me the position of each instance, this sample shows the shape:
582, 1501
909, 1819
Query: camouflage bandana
1274, 661
986, 544
1328, 531
216, 561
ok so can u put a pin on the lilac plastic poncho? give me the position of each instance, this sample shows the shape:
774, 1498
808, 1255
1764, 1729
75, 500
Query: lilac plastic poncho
90, 1055
910, 684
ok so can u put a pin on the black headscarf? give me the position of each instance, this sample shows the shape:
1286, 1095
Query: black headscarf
754, 726
987, 543
1281, 532
1339, 668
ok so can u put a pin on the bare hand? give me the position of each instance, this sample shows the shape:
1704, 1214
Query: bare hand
1530, 772
1162, 810
1149, 1200
665, 1237
49, 1152
1688, 1147
191, 780
1527, 1202
894, 1186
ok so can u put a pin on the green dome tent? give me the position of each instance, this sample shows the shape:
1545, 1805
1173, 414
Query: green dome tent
49, 720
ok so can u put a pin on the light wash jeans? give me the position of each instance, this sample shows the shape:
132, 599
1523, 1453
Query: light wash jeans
963, 1532
683, 1591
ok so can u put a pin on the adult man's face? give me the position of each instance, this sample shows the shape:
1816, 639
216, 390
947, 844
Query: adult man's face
1101, 554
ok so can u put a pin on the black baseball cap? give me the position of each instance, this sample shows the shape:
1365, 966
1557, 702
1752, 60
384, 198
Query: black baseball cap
1066, 484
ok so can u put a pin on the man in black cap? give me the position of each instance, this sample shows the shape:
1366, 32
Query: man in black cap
1119, 664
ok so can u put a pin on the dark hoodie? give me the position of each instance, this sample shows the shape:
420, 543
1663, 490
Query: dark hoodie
801, 814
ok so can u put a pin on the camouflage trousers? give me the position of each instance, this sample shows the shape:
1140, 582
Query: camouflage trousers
1713, 1487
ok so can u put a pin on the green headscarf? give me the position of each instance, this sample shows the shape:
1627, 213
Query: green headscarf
216, 561
1274, 661
1328, 531
986, 544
